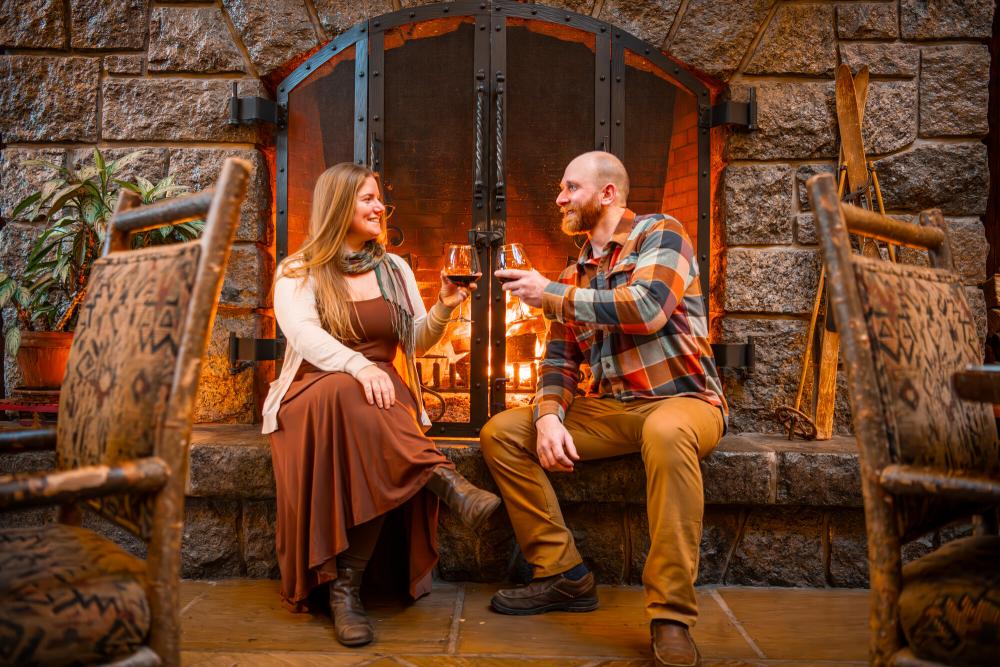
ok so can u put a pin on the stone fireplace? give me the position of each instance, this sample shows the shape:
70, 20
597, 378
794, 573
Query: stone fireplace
158, 77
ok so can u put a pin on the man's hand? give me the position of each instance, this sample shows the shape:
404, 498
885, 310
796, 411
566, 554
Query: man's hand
556, 451
526, 285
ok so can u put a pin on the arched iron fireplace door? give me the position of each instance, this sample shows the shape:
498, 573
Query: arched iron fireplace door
469, 111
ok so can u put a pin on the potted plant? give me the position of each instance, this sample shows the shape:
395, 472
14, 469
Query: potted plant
76, 206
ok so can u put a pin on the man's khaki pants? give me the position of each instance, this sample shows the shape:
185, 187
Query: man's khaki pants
673, 434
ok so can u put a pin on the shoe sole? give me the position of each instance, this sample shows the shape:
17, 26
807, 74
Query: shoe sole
578, 606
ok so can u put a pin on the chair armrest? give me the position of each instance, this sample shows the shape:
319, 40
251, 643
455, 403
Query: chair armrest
52, 488
906, 480
28, 440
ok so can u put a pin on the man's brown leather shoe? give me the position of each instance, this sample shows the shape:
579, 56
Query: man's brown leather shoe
549, 594
672, 645
472, 505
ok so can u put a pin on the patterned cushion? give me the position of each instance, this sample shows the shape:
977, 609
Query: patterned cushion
950, 606
121, 365
68, 596
922, 331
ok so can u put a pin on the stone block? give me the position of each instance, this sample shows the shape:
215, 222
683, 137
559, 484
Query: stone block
953, 177
248, 277
191, 40
848, 549
819, 473
28, 518
778, 346
173, 110
780, 547
954, 90
273, 33
599, 531
32, 24
802, 176
719, 532
108, 24
258, 546
336, 16
805, 229
889, 124
740, 471
579, 6
18, 180
222, 396
199, 168
867, 20
649, 20
799, 40
246, 462
24, 462
771, 280
111, 530
882, 59
131, 64
47, 98
796, 120
482, 555
945, 19
758, 204
211, 545
714, 35
969, 248
152, 165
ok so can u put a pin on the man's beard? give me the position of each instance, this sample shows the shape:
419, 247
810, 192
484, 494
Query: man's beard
586, 218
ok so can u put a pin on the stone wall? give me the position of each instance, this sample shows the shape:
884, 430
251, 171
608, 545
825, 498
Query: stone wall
125, 74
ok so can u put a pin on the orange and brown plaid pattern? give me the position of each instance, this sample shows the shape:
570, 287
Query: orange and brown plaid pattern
636, 315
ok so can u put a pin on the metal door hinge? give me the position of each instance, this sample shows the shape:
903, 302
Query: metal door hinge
739, 114
246, 110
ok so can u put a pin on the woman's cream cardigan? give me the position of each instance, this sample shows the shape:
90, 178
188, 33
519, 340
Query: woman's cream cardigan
295, 311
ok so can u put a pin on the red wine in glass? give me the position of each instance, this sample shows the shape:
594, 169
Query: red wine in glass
512, 256
461, 264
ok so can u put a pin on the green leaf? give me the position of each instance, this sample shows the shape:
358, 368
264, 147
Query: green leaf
125, 160
12, 341
59, 169
25, 203
99, 160
145, 184
63, 196
129, 186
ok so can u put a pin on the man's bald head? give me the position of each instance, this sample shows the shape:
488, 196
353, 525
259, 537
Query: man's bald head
603, 168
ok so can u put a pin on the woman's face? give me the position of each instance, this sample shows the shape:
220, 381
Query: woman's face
368, 208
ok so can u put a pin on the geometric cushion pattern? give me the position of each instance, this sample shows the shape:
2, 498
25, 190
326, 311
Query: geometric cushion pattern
68, 596
121, 365
114, 397
922, 331
949, 608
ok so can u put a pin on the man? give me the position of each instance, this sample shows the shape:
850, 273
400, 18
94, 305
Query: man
630, 306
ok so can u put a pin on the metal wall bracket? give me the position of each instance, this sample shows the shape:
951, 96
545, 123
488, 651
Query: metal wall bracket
739, 114
485, 238
245, 352
735, 355
246, 110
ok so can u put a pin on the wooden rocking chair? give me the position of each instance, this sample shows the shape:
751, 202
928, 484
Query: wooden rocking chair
928, 457
67, 595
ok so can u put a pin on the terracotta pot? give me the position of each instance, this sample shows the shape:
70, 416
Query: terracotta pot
42, 358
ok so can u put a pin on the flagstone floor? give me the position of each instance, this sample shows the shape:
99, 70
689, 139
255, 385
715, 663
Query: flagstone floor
240, 622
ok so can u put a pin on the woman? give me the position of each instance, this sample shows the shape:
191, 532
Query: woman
346, 426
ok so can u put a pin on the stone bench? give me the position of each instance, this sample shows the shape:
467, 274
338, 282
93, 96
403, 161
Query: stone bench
778, 512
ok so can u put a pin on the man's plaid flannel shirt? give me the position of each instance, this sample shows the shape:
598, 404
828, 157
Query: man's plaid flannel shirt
636, 315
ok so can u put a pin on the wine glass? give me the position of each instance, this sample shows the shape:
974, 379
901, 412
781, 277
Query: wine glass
461, 264
512, 256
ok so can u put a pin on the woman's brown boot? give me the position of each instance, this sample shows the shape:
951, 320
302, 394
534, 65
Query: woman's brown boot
472, 505
351, 623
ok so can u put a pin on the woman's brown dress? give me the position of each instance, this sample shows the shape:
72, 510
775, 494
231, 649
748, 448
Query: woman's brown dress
340, 462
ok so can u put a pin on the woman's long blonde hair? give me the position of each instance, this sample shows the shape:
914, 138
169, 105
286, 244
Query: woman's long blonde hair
334, 202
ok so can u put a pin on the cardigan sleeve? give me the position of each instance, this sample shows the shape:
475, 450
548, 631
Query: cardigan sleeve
296, 313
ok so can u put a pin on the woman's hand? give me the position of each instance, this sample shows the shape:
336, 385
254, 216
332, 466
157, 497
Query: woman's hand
451, 294
379, 389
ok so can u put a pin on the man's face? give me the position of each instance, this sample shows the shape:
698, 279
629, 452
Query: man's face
579, 200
